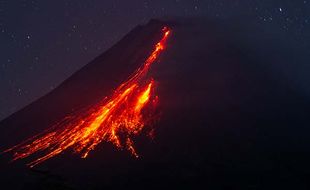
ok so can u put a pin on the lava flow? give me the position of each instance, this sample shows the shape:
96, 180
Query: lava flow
116, 119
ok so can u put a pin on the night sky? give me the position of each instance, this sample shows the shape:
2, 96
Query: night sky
44, 42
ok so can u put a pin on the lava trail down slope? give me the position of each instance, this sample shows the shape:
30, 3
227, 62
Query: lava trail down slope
84, 130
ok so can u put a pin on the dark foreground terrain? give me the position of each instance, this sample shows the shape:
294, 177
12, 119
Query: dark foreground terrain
234, 104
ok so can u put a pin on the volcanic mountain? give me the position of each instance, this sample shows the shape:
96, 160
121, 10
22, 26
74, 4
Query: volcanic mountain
225, 117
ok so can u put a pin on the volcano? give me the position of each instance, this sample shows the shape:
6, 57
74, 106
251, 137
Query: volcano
224, 117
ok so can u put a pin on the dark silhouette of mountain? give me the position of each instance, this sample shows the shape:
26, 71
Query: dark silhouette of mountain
231, 117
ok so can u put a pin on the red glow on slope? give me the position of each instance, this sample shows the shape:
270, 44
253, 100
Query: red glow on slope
120, 114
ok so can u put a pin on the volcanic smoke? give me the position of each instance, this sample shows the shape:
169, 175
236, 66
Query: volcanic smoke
120, 115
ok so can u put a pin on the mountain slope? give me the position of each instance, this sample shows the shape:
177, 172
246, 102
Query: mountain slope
227, 119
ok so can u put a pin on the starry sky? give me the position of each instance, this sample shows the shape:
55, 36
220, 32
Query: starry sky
44, 42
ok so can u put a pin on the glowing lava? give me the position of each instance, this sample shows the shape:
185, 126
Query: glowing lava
115, 119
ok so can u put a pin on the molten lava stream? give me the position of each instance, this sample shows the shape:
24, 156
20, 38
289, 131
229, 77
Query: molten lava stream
120, 114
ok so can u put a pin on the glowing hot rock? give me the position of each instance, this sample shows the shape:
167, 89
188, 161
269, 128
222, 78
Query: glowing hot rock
119, 114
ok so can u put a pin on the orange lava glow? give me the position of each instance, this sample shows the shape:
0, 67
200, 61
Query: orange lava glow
115, 119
